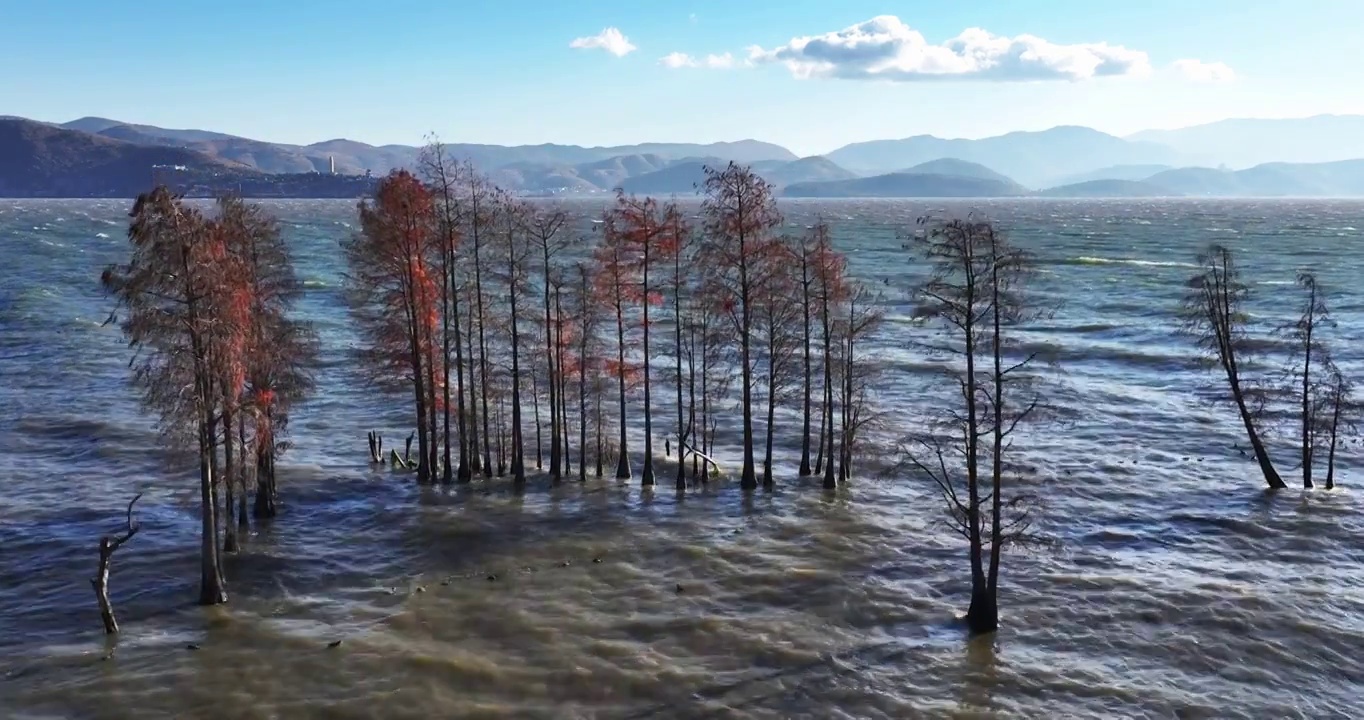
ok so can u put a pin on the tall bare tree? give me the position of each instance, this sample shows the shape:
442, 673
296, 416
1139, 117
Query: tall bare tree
977, 291
165, 293
1214, 313
741, 214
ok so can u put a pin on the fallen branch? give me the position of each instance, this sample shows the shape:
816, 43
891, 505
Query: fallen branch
107, 546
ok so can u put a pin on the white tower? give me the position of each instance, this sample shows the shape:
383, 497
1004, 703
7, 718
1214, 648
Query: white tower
331, 160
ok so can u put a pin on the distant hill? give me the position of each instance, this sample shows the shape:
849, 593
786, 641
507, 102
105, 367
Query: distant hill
1116, 172
905, 185
1108, 189
1035, 159
681, 178
42, 160
528, 168
1335, 179
815, 168
960, 168
1243, 143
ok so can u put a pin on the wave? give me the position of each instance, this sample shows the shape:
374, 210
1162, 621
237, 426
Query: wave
1090, 260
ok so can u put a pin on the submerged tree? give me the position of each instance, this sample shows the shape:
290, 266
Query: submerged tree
1214, 312
167, 291
394, 298
975, 294
740, 210
281, 350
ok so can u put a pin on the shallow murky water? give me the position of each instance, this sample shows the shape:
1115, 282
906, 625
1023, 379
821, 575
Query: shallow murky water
1179, 589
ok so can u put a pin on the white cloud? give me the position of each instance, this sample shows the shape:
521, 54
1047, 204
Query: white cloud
1207, 72
610, 39
887, 49
683, 60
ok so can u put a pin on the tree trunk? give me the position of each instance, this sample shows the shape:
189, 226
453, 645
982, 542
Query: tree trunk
681, 480
211, 585
518, 448
230, 475
983, 615
768, 482
623, 461
552, 340
829, 481
475, 461
805, 314
101, 584
748, 478
535, 404
647, 475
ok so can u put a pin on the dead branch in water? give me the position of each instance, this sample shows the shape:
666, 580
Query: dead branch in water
107, 546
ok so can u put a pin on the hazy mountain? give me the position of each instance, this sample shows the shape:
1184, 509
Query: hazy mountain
680, 178
100, 126
1108, 189
1242, 143
905, 185
1116, 172
815, 168
1035, 159
961, 168
1344, 178
37, 159
351, 157
44, 160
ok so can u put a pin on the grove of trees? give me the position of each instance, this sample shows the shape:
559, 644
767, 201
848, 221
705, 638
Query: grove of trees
482, 309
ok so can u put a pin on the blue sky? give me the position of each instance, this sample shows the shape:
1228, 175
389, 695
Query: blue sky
504, 71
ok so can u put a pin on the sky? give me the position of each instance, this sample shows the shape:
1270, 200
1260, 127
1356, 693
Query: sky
811, 75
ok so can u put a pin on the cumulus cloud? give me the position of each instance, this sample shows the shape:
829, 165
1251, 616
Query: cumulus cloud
885, 48
610, 39
1209, 72
683, 60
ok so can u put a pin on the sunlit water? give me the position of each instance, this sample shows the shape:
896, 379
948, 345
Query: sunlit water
1179, 588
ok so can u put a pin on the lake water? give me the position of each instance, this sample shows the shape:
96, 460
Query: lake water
1178, 588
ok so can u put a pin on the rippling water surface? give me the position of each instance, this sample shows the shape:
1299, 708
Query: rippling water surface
1179, 588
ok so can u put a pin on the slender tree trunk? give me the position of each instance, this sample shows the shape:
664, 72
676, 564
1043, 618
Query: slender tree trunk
691, 399
447, 275
229, 474
551, 341
535, 410
582, 416
1308, 421
265, 480
475, 387
600, 470
682, 435
828, 443
997, 410
647, 475
482, 344
1336, 401
462, 472
768, 482
212, 590
243, 525
518, 447
805, 314
623, 462
748, 478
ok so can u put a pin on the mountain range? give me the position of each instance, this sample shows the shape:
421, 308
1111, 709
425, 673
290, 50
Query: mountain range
1316, 156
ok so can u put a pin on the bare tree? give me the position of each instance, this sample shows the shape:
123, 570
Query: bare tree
169, 289
1214, 313
1311, 368
976, 292
442, 175
545, 230
107, 546
741, 213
